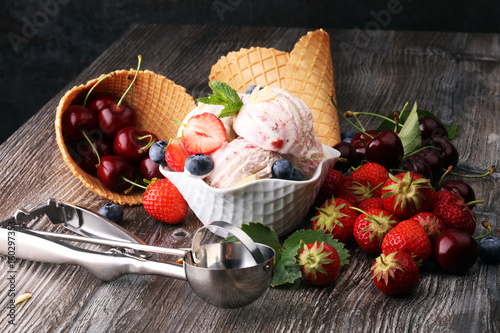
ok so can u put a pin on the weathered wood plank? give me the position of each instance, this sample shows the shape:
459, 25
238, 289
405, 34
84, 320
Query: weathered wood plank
454, 75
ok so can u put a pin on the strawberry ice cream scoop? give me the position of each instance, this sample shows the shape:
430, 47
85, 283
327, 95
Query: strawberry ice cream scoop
237, 160
274, 119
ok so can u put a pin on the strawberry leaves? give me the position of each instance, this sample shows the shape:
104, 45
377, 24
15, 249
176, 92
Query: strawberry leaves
223, 95
286, 270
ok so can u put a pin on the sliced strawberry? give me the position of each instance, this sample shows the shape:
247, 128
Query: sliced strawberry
176, 155
204, 134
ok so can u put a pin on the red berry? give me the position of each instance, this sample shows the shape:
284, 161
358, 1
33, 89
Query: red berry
353, 192
408, 236
335, 217
204, 134
451, 208
431, 224
395, 273
371, 203
320, 263
329, 187
176, 155
163, 201
406, 194
371, 227
372, 175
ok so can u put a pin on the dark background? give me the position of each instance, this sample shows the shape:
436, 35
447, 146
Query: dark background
45, 43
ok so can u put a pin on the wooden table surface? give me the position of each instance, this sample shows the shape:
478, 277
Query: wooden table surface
455, 75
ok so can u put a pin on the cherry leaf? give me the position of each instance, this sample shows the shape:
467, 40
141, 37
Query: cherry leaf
410, 133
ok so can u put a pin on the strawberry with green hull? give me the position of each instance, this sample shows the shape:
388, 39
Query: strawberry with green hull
335, 217
371, 175
163, 202
354, 192
408, 236
320, 263
406, 194
176, 155
431, 224
395, 273
329, 187
371, 227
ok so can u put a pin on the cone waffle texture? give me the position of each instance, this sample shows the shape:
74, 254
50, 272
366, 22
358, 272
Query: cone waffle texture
306, 72
157, 101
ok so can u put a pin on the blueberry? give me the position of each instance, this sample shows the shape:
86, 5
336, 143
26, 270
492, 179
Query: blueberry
251, 89
199, 164
112, 211
157, 152
489, 249
282, 169
348, 135
297, 175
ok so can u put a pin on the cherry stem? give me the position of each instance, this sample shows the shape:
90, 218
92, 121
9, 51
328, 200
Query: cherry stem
377, 115
93, 148
487, 225
447, 171
418, 150
150, 142
132, 83
95, 85
474, 202
343, 116
489, 172
134, 183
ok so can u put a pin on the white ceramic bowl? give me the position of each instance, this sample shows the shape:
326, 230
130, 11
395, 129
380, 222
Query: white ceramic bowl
279, 204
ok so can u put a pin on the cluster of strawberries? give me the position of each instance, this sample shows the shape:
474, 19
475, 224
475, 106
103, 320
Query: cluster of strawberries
397, 217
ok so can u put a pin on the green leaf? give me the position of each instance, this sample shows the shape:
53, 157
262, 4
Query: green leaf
223, 95
410, 133
311, 236
452, 129
260, 233
285, 270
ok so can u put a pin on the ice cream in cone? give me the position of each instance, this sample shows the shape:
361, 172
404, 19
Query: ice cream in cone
306, 72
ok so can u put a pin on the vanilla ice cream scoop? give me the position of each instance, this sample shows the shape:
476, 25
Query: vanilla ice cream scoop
275, 120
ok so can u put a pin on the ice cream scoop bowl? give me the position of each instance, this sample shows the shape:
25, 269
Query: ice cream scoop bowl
225, 274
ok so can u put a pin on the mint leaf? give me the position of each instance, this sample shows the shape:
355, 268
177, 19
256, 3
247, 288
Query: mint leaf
410, 133
223, 95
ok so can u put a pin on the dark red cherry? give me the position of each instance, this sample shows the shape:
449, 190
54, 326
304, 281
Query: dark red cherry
150, 169
347, 157
85, 156
433, 159
113, 170
430, 127
385, 149
417, 166
132, 144
100, 102
461, 188
361, 139
455, 251
449, 153
113, 118
76, 119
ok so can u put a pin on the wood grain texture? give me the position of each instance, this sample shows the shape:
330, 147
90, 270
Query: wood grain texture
456, 75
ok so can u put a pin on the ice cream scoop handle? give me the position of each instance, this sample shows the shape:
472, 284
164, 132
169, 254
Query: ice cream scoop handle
29, 246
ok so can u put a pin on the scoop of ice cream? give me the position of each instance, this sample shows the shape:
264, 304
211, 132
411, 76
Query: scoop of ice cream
238, 159
276, 120
214, 109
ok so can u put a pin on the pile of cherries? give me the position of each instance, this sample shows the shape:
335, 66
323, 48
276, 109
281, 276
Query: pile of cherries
385, 148
103, 140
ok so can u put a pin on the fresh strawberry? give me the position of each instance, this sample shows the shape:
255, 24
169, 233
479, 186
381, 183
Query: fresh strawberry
353, 192
432, 224
371, 227
176, 155
332, 182
408, 236
204, 134
453, 211
372, 175
371, 203
163, 201
395, 273
320, 263
406, 194
335, 217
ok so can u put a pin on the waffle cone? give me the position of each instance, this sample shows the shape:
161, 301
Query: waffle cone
309, 76
306, 72
157, 102
257, 65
